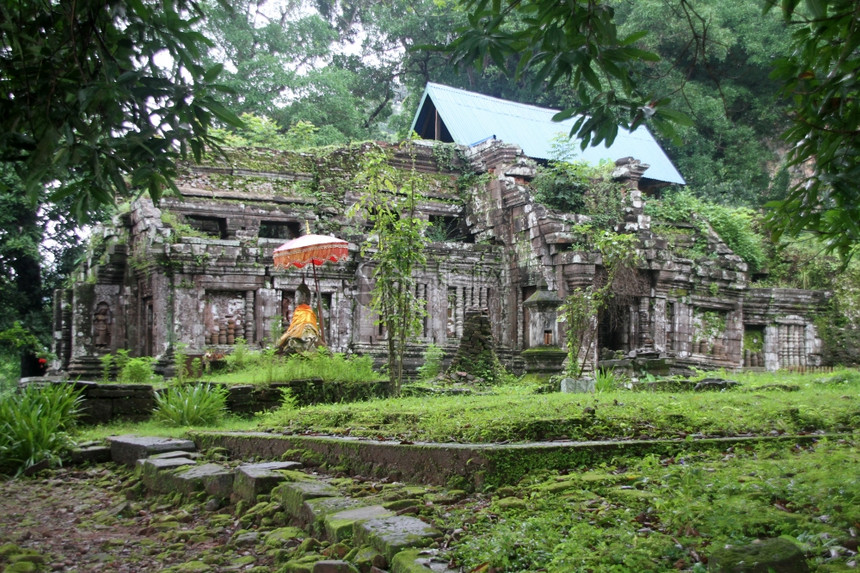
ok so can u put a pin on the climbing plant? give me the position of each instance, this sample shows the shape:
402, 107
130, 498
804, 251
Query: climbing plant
395, 248
582, 305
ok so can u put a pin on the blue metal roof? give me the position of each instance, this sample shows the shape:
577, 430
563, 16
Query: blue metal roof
471, 118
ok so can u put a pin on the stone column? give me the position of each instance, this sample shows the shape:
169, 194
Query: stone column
660, 324
249, 317
460, 311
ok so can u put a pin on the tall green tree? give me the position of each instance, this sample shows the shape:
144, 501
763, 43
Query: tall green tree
716, 56
89, 104
395, 249
265, 48
98, 100
820, 81
607, 71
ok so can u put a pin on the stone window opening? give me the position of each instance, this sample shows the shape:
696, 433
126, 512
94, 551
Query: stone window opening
284, 230
213, 226
447, 229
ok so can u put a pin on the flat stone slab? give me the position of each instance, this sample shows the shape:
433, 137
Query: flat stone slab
293, 495
391, 535
176, 454
339, 526
157, 475
420, 561
252, 480
130, 448
314, 510
214, 479
90, 454
333, 566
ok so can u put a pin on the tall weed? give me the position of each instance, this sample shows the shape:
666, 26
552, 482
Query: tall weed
34, 425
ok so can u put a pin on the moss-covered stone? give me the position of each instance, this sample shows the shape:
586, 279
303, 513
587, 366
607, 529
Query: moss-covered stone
766, 556
283, 535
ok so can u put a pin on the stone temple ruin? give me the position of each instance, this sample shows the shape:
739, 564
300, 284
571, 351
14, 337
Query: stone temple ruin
197, 269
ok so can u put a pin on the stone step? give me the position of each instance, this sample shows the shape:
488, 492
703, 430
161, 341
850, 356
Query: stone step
252, 480
391, 535
128, 449
157, 475
383, 540
214, 479
340, 526
293, 495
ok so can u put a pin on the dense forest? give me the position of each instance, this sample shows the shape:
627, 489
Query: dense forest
755, 103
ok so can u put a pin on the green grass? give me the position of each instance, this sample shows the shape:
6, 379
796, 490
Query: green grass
666, 514
265, 367
822, 403
154, 428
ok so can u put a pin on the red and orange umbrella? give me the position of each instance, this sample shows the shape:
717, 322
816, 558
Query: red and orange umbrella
312, 250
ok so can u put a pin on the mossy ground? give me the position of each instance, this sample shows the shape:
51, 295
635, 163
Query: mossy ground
637, 513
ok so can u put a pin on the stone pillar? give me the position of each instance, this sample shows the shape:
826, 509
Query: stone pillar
771, 347
249, 317
660, 325
645, 339
460, 311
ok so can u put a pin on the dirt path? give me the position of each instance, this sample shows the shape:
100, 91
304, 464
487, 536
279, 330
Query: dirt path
80, 520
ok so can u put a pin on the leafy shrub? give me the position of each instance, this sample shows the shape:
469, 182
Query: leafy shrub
194, 405
137, 371
107, 361
34, 425
180, 363
432, 362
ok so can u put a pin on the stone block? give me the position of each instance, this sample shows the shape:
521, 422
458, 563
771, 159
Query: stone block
157, 475
391, 535
339, 526
95, 454
334, 566
293, 495
776, 555
252, 480
130, 448
314, 510
577, 385
215, 480
419, 561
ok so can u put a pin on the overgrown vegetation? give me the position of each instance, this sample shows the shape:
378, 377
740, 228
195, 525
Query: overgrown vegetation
35, 424
737, 227
128, 369
575, 186
582, 305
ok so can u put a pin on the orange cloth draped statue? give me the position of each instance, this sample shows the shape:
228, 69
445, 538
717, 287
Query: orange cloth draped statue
303, 318
304, 331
